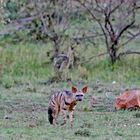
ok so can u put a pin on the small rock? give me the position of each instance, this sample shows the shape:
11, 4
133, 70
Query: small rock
6, 117
114, 82
31, 125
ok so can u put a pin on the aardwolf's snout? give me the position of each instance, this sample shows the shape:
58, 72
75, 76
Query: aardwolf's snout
79, 99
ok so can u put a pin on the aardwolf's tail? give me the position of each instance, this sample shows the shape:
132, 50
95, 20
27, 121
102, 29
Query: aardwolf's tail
50, 117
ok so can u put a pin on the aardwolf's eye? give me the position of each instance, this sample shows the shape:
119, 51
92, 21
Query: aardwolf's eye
81, 95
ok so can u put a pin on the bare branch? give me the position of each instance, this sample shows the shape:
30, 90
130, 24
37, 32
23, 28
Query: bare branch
98, 5
12, 29
130, 39
127, 53
115, 8
107, 14
78, 38
110, 28
98, 21
105, 35
44, 25
89, 11
124, 29
92, 57
129, 24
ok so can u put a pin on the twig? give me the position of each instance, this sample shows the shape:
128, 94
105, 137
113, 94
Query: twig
127, 53
133, 37
101, 54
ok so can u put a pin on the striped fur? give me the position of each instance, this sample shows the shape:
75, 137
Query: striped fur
64, 101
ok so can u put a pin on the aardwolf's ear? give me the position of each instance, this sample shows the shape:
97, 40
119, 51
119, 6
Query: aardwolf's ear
74, 89
84, 89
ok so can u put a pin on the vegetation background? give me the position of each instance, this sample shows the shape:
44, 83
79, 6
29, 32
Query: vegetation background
49, 45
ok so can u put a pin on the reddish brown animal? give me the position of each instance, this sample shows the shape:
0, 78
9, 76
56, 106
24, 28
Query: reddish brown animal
129, 99
64, 101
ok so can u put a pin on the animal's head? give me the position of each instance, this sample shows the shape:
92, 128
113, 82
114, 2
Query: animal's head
79, 94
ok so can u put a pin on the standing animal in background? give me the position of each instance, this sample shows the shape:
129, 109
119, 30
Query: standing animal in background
64, 101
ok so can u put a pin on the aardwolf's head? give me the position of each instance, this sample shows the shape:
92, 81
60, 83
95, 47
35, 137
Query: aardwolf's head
79, 94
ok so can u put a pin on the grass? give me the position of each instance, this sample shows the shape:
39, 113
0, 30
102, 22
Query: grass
23, 115
23, 62
24, 98
29, 63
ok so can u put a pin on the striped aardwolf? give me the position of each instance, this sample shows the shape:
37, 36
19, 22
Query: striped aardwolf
64, 101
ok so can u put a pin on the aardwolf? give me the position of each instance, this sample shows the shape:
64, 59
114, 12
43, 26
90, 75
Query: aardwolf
64, 101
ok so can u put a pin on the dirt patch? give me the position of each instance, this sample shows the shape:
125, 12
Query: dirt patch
23, 106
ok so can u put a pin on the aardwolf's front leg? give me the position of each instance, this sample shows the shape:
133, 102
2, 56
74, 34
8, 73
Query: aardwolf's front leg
71, 118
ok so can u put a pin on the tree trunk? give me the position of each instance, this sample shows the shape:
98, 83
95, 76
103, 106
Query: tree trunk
56, 49
56, 44
113, 54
